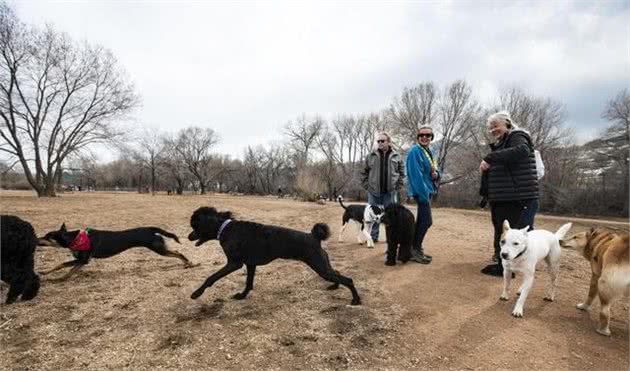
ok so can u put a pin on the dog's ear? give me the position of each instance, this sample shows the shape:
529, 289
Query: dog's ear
63, 228
524, 230
506, 226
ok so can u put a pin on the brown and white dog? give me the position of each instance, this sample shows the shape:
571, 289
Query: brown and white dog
608, 254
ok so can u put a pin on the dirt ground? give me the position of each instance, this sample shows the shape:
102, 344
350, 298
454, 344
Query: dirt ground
134, 311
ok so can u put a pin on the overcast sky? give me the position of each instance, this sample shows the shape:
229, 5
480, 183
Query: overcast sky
245, 69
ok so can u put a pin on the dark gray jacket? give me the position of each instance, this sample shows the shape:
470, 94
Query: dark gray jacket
512, 174
370, 175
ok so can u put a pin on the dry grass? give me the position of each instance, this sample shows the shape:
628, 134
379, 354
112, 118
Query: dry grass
134, 310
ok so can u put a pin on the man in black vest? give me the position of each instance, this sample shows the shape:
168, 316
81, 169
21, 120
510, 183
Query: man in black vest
510, 181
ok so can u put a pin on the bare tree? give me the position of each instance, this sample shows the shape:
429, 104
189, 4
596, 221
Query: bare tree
194, 144
612, 149
542, 117
148, 153
252, 165
302, 134
617, 111
458, 117
274, 161
415, 107
174, 164
56, 98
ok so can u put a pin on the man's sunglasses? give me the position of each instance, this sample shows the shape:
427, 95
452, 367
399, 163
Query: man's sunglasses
381, 141
425, 136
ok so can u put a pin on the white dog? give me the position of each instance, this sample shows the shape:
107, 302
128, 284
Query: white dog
521, 251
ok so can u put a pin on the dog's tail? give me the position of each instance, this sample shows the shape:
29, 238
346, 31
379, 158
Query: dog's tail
320, 231
563, 231
340, 199
165, 233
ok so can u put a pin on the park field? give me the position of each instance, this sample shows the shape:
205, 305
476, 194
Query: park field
134, 310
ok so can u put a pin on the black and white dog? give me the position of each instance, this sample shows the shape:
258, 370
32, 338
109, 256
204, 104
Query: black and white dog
366, 215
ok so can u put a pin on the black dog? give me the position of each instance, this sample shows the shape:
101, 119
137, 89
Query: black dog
18, 248
255, 244
366, 215
399, 227
104, 244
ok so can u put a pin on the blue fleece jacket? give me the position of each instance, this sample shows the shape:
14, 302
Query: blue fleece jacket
419, 181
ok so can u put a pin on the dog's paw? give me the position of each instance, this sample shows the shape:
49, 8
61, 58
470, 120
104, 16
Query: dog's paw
583, 306
356, 301
239, 296
504, 297
334, 286
196, 294
517, 313
548, 298
605, 332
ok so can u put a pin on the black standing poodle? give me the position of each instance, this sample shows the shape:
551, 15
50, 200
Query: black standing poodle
399, 227
18, 248
254, 244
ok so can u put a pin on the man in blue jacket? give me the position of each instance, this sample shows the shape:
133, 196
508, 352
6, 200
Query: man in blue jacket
423, 176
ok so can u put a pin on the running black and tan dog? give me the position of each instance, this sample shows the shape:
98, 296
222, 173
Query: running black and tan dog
252, 244
93, 243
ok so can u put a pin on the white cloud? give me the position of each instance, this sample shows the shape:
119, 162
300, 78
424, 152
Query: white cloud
245, 69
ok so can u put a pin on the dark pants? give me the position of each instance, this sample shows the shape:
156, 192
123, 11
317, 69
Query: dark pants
519, 213
384, 200
423, 223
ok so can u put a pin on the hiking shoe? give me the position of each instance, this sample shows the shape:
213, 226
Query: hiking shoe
390, 262
422, 259
493, 270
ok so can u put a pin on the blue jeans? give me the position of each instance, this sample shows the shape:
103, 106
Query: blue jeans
384, 200
424, 221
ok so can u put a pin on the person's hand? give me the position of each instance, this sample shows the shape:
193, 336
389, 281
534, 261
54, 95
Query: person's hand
484, 166
434, 175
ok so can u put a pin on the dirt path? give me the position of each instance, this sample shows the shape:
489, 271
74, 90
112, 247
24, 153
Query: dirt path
134, 310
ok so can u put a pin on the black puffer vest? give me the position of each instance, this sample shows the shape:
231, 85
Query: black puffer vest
512, 175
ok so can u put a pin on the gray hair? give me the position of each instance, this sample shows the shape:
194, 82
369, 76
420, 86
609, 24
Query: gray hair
385, 134
425, 127
502, 117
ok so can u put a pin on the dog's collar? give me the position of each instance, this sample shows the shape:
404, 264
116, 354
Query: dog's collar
520, 253
82, 241
222, 227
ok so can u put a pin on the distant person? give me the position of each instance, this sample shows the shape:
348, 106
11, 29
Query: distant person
509, 181
423, 177
382, 176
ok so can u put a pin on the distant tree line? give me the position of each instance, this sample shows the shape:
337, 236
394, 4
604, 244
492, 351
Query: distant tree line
59, 98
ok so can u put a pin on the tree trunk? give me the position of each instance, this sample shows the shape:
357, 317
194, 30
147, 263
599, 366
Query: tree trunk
48, 190
153, 181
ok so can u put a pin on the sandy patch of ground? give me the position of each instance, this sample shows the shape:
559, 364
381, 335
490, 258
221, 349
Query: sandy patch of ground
134, 310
